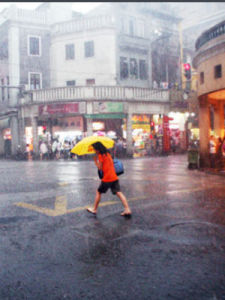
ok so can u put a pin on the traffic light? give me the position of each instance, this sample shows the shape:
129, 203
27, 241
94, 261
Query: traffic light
152, 124
187, 71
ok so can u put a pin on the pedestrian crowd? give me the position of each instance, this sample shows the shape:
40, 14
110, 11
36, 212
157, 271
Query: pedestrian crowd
217, 152
56, 149
49, 150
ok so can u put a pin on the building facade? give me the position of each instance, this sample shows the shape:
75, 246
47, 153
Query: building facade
66, 72
209, 62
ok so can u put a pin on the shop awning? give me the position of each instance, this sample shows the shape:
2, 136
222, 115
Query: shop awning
105, 116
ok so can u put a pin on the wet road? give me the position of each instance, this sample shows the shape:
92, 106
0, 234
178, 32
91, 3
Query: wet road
51, 248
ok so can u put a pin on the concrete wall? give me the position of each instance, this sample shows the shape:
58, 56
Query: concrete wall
210, 82
34, 64
100, 67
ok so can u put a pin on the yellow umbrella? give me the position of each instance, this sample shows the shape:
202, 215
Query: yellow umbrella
85, 146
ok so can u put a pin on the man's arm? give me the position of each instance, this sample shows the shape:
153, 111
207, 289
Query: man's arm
98, 163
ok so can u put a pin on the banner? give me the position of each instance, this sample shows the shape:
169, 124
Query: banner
59, 108
166, 134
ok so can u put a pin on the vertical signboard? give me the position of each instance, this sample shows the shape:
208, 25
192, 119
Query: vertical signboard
166, 134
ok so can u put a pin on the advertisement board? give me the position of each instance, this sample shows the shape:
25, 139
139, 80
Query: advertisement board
61, 108
107, 107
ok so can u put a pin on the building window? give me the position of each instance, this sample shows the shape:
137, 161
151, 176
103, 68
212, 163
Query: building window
131, 27
143, 69
34, 45
123, 68
89, 48
71, 83
218, 71
141, 29
70, 52
122, 25
90, 81
3, 90
133, 68
202, 78
35, 81
3, 50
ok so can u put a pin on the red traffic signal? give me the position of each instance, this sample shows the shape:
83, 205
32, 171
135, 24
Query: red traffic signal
187, 71
187, 67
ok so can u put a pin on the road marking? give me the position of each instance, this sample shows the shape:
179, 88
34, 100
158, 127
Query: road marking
61, 202
60, 207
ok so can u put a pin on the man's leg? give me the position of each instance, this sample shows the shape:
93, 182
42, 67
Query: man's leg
123, 199
96, 203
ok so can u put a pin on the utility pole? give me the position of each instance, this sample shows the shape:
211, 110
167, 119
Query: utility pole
181, 55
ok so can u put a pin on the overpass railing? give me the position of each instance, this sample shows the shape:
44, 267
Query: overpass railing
97, 93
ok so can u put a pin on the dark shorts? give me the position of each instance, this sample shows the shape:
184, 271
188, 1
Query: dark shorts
114, 186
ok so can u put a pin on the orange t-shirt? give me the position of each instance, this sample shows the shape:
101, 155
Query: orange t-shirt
108, 169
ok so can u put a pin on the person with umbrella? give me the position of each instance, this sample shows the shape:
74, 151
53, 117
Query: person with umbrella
104, 162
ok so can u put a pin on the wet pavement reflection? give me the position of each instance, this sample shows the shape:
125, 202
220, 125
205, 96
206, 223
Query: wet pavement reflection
173, 247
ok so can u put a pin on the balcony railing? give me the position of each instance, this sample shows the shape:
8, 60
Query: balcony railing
25, 15
210, 34
81, 24
97, 93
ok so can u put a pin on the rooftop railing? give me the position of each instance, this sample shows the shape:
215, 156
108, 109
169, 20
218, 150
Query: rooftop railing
81, 24
210, 34
24, 15
97, 93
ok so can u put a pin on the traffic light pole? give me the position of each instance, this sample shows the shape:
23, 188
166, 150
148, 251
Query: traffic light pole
181, 56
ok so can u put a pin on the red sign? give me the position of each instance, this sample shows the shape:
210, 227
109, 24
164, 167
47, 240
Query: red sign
67, 108
166, 134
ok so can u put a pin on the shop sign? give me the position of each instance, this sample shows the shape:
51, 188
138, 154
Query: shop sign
141, 119
60, 108
166, 134
98, 126
105, 116
145, 127
107, 107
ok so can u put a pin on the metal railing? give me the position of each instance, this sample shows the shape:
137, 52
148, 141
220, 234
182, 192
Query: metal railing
97, 93
210, 34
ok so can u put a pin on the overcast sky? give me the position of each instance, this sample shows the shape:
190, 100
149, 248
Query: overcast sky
82, 7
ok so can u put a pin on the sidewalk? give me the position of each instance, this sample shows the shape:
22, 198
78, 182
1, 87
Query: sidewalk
213, 171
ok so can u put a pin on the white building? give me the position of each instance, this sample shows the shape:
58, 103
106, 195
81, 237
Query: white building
64, 58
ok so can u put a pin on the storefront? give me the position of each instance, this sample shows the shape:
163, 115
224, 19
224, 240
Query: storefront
193, 128
178, 131
107, 119
57, 121
147, 133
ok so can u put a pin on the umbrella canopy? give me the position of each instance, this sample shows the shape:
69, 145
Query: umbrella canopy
85, 146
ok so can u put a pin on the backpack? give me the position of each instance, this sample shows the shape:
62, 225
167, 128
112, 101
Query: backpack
118, 165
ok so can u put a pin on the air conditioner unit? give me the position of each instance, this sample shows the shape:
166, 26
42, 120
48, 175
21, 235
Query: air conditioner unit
26, 87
